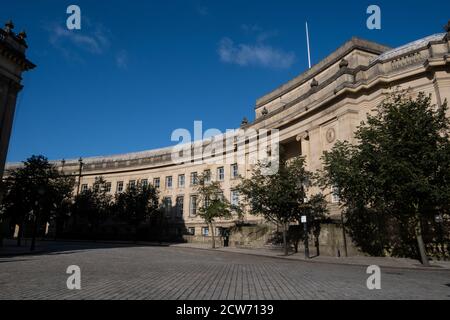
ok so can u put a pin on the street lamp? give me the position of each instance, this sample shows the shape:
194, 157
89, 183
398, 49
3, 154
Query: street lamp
80, 161
63, 163
305, 225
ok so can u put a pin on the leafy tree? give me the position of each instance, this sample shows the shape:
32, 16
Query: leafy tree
32, 191
62, 201
398, 172
94, 205
212, 204
280, 198
137, 204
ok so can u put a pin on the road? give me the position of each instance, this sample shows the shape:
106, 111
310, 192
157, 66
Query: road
155, 273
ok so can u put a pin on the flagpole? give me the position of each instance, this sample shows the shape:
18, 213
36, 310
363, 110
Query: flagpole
307, 42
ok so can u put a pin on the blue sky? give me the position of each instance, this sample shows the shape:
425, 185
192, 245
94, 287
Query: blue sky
140, 69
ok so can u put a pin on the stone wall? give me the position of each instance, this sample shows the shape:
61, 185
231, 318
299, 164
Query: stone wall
262, 236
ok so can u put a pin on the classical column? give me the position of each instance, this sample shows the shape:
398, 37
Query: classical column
305, 148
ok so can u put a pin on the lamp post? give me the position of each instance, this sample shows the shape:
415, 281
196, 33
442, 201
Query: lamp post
80, 161
63, 163
305, 226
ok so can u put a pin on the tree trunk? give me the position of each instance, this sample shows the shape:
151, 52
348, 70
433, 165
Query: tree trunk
213, 236
34, 233
20, 234
136, 233
2, 227
421, 244
285, 244
317, 243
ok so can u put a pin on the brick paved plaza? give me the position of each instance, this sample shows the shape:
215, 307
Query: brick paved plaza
122, 272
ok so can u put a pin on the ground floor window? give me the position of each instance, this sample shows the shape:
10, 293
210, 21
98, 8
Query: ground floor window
108, 187
119, 186
205, 231
180, 206
193, 206
191, 231
168, 205
335, 195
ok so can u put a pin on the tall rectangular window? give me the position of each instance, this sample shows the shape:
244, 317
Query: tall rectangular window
335, 195
132, 184
84, 188
169, 182
207, 175
221, 174
181, 181
119, 186
234, 198
157, 183
180, 206
168, 205
234, 171
144, 183
205, 231
193, 206
107, 187
194, 178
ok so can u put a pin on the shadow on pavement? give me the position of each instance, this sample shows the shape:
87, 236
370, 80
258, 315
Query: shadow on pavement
10, 248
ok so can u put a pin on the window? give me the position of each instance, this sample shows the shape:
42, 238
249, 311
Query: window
191, 231
205, 231
234, 198
194, 178
234, 171
84, 188
119, 186
96, 187
221, 174
107, 187
335, 195
144, 183
132, 184
181, 181
157, 183
169, 182
168, 205
193, 206
207, 175
180, 206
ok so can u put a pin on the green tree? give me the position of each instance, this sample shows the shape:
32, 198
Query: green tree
137, 204
212, 205
94, 205
63, 188
399, 170
280, 198
32, 193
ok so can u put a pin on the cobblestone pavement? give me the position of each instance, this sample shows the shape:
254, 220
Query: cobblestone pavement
181, 273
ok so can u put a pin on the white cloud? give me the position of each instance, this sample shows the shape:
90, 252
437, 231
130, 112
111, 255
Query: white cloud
96, 42
254, 55
122, 59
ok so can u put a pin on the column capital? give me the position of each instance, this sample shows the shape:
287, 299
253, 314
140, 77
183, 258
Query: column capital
303, 136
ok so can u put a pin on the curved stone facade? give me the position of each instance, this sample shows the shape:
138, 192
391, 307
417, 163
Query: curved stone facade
311, 112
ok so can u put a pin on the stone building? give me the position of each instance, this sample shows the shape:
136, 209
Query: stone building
313, 111
12, 64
